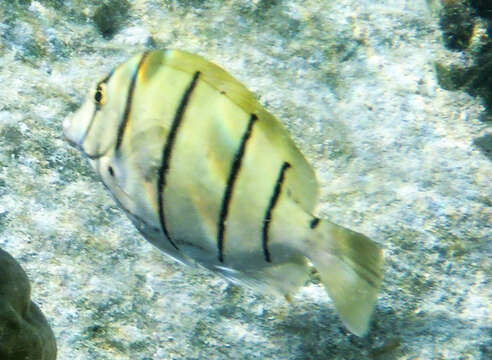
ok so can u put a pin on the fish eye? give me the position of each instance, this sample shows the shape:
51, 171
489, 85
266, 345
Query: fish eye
99, 96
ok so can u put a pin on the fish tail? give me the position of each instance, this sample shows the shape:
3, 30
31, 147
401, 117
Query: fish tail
350, 266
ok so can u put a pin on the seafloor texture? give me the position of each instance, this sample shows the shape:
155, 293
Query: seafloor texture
353, 81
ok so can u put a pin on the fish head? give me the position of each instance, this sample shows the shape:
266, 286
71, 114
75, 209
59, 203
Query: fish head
94, 127
89, 128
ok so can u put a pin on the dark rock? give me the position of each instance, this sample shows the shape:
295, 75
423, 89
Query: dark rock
456, 23
110, 16
484, 143
483, 8
24, 331
480, 75
457, 20
450, 78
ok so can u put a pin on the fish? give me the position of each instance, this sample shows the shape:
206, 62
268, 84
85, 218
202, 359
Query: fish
211, 178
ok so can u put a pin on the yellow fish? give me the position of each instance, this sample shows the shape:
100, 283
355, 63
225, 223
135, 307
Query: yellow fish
207, 174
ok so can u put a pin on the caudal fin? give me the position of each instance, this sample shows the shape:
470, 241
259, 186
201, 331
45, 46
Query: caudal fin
350, 267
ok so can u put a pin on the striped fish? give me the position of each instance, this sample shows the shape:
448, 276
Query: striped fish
210, 177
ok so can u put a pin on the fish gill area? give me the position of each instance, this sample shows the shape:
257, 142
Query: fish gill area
389, 101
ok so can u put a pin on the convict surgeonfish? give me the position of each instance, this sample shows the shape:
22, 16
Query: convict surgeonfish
209, 176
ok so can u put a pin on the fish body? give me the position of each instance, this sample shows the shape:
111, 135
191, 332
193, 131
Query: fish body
209, 176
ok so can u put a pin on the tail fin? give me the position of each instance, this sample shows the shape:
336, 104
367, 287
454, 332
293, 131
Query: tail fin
350, 267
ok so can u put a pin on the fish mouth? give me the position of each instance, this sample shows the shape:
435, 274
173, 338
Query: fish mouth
74, 131
91, 156
66, 134
77, 141
77, 125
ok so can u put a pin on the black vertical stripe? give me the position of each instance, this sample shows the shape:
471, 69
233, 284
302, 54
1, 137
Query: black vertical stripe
226, 199
106, 79
166, 153
128, 105
94, 113
314, 223
271, 206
